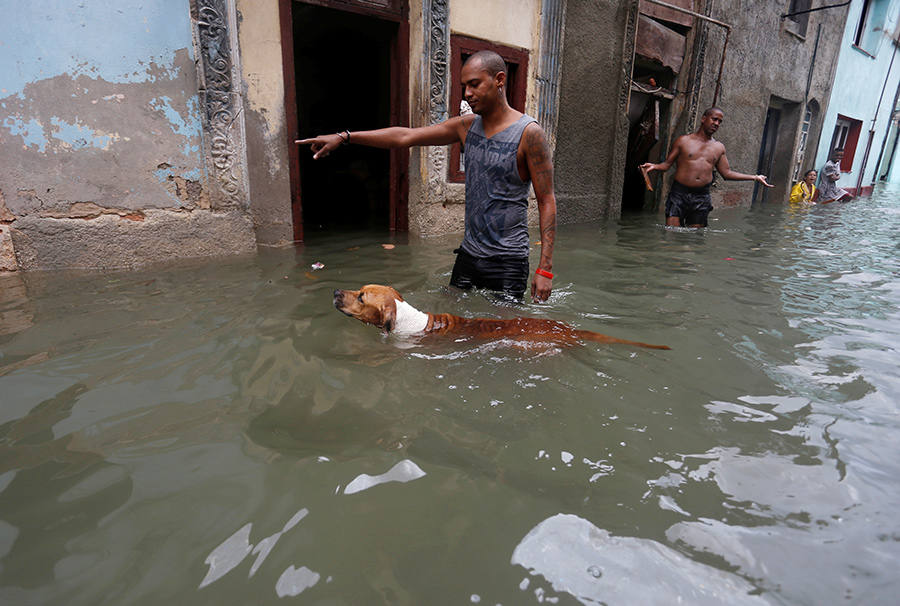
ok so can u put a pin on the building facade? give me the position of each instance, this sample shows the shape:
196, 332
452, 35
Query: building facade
137, 132
120, 145
866, 81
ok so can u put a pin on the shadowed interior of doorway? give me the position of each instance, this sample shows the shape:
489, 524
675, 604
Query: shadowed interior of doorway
342, 63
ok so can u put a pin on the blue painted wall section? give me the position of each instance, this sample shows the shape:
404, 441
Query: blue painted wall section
99, 105
102, 133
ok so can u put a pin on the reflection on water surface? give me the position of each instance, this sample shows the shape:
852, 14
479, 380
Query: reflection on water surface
216, 432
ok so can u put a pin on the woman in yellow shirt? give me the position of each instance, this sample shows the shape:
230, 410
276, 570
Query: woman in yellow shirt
803, 192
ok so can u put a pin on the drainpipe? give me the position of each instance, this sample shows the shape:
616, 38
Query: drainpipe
890, 166
862, 171
812, 65
704, 18
887, 133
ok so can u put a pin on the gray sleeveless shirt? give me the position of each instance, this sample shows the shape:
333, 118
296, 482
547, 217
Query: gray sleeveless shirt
496, 197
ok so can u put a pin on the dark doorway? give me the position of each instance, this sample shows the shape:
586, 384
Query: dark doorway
767, 154
644, 143
347, 76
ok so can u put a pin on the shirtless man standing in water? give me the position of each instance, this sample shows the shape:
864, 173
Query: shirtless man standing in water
696, 155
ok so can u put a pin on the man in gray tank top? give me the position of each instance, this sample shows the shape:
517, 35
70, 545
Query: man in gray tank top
506, 154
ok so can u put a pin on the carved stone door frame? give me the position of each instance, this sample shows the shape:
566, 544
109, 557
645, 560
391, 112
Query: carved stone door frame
222, 116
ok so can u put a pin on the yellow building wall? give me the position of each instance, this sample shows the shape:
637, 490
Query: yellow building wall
510, 22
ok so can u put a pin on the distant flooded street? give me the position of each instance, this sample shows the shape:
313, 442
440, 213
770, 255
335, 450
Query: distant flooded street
215, 432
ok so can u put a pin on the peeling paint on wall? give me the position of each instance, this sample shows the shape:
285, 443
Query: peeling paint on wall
100, 117
72, 147
118, 44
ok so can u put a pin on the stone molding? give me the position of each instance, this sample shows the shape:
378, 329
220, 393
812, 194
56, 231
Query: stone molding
215, 40
437, 34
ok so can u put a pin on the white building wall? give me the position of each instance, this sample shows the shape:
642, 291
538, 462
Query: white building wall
865, 82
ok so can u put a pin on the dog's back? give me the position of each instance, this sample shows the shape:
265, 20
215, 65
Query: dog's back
534, 329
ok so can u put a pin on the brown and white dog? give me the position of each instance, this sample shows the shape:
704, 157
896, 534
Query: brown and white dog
385, 308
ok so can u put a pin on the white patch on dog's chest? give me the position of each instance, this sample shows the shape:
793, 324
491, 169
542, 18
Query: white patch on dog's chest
409, 320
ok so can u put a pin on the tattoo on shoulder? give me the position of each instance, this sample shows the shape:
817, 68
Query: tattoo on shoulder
538, 152
536, 145
539, 159
535, 139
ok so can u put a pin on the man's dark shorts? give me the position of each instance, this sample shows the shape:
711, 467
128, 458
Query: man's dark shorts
691, 204
505, 275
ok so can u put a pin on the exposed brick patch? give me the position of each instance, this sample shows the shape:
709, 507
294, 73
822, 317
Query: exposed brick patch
5, 214
90, 211
733, 198
7, 252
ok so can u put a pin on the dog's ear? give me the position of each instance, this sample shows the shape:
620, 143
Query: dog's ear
396, 293
389, 314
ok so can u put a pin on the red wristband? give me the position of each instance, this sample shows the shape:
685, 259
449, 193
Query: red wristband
544, 273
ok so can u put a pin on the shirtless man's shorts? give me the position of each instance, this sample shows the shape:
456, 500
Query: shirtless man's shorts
690, 204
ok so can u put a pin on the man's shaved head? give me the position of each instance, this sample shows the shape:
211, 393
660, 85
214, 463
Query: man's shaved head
490, 62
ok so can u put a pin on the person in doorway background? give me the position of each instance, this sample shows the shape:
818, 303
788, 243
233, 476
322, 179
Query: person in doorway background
803, 191
831, 172
506, 153
696, 155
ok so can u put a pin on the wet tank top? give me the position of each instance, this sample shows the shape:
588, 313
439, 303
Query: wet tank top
496, 197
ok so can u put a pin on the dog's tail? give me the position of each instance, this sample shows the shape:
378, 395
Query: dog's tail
598, 338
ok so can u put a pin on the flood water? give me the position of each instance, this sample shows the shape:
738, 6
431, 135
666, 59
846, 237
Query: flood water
215, 432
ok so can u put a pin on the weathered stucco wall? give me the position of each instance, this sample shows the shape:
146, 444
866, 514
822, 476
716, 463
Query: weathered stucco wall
266, 130
101, 126
593, 131
511, 22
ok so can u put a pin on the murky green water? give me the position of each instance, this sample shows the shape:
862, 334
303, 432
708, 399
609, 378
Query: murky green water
217, 433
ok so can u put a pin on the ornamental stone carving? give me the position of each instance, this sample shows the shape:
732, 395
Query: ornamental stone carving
221, 106
437, 22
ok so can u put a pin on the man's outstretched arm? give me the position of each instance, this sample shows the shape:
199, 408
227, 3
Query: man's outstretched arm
724, 169
445, 133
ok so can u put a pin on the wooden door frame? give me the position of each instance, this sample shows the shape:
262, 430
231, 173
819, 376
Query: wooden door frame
399, 189
399, 100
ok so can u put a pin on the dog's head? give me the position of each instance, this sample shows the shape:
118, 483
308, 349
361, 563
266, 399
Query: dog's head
372, 304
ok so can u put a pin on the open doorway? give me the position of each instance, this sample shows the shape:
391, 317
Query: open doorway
659, 63
349, 74
778, 150
766, 154
649, 121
